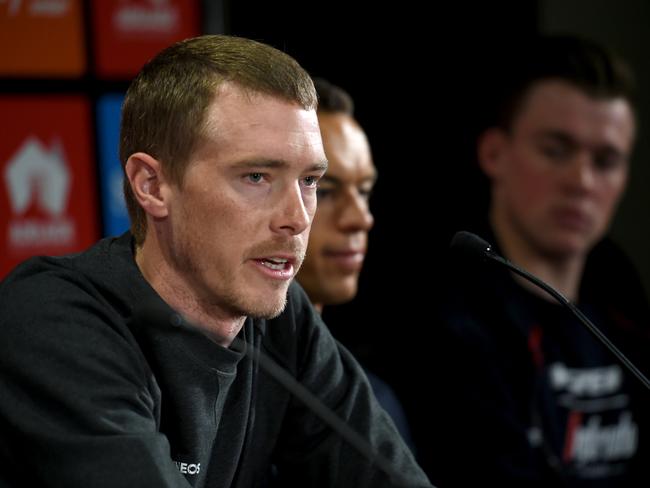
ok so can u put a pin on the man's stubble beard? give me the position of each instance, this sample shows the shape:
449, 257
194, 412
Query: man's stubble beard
229, 299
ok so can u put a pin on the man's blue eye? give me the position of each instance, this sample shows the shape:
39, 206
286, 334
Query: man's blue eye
255, 177
311, 181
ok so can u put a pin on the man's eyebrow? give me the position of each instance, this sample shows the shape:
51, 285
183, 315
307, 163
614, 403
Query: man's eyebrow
260, 163
274, 164
569, 140
557, 135
320, 166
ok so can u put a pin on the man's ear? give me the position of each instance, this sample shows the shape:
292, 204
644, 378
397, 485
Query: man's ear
147, 183
491, 148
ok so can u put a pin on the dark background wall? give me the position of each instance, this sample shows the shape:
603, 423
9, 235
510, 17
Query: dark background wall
421, 78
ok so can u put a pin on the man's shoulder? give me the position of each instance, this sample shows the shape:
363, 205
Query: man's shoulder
93, 261
607, 258
41, 285
607, 265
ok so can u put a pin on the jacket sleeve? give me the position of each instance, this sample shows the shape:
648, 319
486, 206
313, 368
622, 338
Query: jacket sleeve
77, 405
310, 453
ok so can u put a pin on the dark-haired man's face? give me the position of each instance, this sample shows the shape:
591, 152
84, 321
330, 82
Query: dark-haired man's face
339, 233
558, 175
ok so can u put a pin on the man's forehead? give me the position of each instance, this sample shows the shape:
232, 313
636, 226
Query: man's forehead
235, 111
560, 106
260, 131
559, 96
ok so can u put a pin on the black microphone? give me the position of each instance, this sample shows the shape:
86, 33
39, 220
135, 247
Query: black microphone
474, 245
154, 313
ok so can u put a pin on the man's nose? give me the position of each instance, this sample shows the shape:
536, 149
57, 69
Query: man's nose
293, 216
580, 173
355, 214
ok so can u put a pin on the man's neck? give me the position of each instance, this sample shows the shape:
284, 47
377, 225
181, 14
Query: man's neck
562, 273
564, 276
176, 290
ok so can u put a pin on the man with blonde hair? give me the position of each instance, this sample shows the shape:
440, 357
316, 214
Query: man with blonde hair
102, 385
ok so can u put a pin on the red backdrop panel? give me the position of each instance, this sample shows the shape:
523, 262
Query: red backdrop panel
48, 196
130, 32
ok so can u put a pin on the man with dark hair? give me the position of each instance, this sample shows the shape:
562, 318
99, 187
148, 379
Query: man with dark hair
339, 235
103, 386
525, 396
338, 239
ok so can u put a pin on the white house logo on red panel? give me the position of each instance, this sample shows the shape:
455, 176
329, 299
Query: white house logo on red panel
38, 185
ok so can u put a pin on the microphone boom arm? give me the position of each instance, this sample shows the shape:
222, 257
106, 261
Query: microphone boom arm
474, 245
488, 253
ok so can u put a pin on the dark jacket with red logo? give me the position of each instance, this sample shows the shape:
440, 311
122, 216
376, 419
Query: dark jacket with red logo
523, 394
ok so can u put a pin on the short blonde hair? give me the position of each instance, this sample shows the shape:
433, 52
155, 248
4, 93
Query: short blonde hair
164, 109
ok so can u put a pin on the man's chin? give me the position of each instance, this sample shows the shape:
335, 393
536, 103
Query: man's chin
267, 309
566, 249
